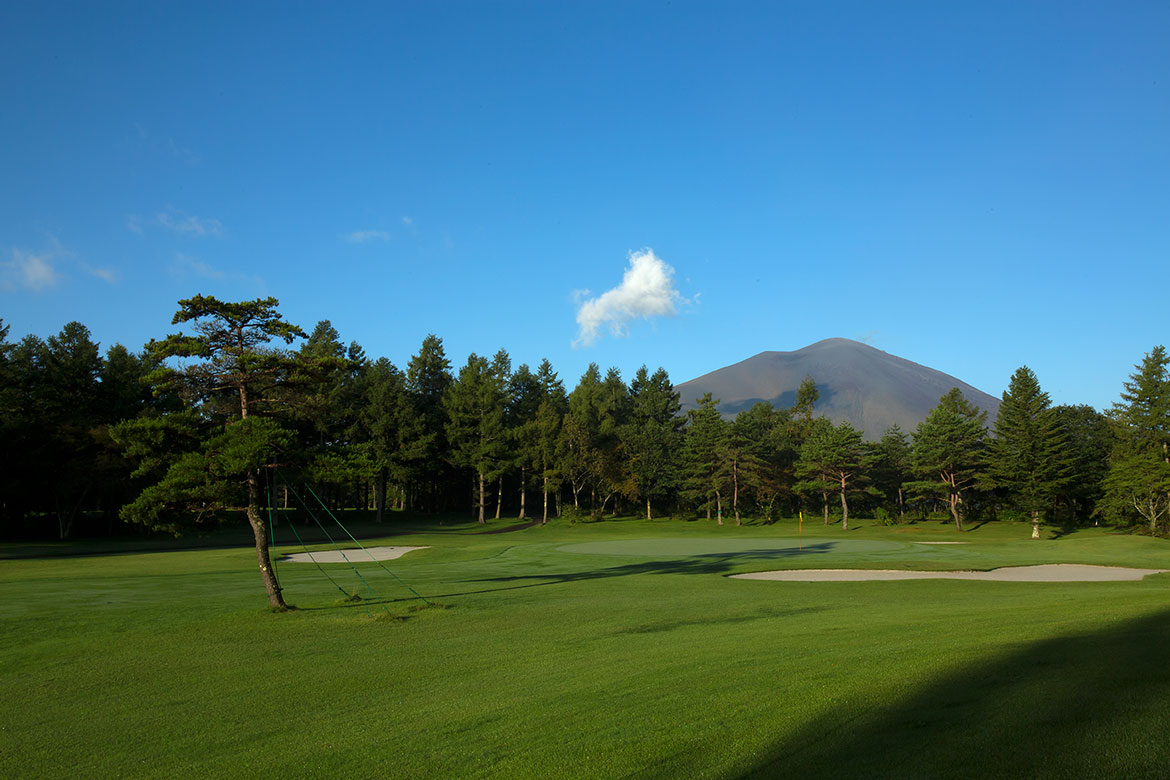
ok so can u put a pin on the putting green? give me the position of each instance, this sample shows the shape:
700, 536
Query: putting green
762, 548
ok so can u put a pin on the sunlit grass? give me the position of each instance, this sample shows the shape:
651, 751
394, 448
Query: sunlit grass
539, 661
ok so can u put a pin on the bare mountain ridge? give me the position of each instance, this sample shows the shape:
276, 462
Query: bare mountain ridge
870, 388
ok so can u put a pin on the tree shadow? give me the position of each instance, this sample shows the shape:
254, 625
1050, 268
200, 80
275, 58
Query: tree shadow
1090, 705
706, 563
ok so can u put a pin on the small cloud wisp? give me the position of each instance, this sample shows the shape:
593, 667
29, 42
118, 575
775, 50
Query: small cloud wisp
362, 236
647, 290
29, 271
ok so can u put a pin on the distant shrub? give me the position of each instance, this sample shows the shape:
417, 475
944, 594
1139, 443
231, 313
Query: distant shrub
882, 517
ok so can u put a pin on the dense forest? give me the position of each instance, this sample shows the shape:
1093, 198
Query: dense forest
195, 427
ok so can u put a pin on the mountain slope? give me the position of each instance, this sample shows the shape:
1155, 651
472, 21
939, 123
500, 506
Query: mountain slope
870, 388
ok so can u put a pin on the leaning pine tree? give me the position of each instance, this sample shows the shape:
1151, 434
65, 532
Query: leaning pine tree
235, 387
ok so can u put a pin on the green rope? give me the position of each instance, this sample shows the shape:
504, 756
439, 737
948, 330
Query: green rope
338, 548
367, 552
293, 527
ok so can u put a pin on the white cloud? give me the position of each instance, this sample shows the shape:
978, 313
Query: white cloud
408, 221
189, 224
105, 274
362, 236
29, 271
134, 224
647, 290
185, 264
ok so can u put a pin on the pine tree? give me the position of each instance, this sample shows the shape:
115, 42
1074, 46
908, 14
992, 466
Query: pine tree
1026, 455
651, 437
1088, 441
1139, 472
758, 435
948, 452
703, 457
833, 460
237, 380
428, 377
549, 418
475, 406
892, 466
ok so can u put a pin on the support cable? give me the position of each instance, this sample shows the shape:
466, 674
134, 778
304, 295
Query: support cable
344, 557
367, 552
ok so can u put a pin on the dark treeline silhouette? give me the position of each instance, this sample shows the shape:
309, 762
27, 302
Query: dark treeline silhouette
203, 424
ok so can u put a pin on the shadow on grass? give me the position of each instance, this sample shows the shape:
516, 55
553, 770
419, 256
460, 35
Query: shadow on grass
1092, 705
768, 613
707, 563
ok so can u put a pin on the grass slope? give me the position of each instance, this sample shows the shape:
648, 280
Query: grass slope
602, 650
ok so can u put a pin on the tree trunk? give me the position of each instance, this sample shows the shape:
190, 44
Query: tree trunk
380, 495
482, 499
901, 505
65, 517
499, 496
1035, 524
954, 502
718, 508
544, 509
735, 489
523, 484
275, 596
648, 508
844, 509
825, 506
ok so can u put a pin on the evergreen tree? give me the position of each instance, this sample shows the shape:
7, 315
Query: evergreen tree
587, 405
67, 407
525, 394
1026, 454
832, 460
549, 418
760, 436
1139, 470
428, 376
613, 412
703, 461
236, 383
948, 452
477, 437
1088, 441
502, 369
391, 430
892, 466
651, 436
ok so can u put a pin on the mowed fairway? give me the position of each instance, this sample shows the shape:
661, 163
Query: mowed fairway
603, 650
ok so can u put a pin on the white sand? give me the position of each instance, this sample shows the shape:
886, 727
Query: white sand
353, 555
1051, 572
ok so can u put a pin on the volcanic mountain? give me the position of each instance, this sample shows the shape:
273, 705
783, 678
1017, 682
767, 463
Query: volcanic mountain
870, 388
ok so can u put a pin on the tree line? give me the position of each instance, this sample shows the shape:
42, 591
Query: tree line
195, 424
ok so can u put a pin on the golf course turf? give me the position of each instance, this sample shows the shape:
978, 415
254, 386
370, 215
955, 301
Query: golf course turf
611, 649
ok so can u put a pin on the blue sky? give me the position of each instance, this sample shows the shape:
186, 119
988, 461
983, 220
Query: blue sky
972, 186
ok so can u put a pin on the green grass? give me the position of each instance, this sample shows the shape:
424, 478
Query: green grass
610, 649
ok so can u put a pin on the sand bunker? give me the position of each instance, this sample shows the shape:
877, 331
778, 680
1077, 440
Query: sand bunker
353, 555
1051, 572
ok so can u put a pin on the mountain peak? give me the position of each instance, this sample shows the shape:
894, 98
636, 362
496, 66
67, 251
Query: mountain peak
870, 388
